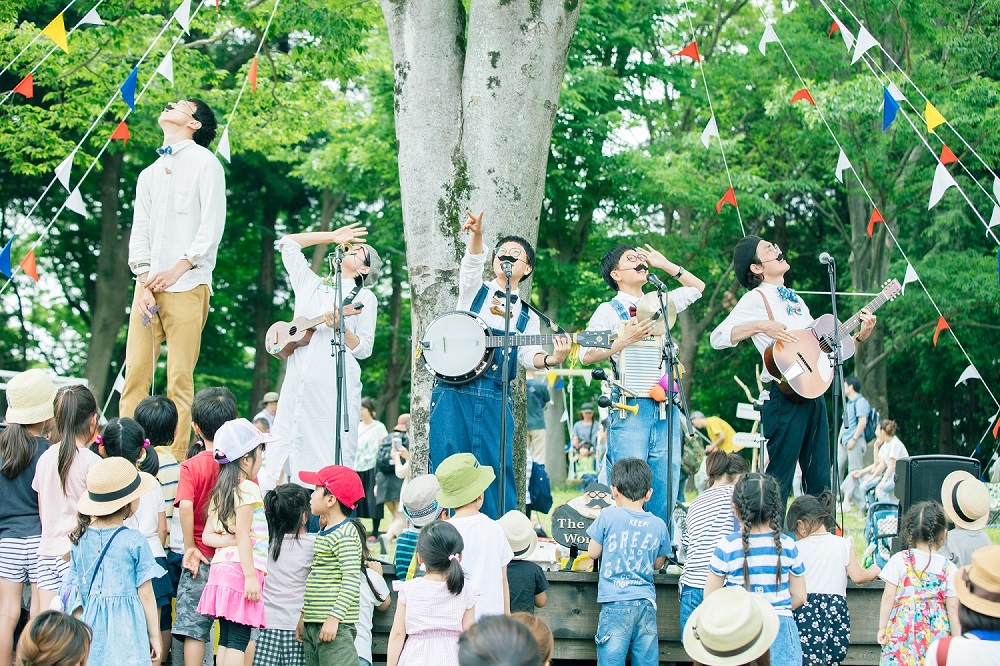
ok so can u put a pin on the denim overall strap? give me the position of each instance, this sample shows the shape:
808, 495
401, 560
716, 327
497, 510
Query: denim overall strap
522, 319
480, 299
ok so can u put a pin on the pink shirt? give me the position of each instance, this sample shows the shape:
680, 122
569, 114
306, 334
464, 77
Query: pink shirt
58, 508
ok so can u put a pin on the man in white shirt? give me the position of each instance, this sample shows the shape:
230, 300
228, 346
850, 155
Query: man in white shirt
178, 219
643, 435
798, 431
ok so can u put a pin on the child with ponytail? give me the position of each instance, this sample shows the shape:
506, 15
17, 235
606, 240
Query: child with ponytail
432, 611
237, 529
60, 481
763, 560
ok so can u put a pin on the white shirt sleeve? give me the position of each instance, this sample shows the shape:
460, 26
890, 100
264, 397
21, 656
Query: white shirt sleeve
748, 310
139, 244
299, 272
470, 278
364, 324
683, 297
212, 196
605, 318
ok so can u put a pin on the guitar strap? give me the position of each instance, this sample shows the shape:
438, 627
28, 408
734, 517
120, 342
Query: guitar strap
767, 306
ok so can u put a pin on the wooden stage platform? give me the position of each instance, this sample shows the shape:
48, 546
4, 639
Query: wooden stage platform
572, 610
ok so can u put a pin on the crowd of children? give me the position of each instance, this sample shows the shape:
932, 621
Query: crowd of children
85, 523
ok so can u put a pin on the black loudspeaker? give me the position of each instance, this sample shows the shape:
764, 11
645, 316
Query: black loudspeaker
920, 478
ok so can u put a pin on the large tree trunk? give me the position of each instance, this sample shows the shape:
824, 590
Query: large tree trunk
474, 116
397, 366
264, 311
113, 288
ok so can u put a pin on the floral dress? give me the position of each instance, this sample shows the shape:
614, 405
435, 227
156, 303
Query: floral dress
918, 615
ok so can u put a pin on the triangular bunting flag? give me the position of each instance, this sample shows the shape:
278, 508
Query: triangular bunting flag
29, 266
896, 93
166, 67
689, 51
941, 325
889, 108
996, 428
947, 157
75, 202
834, 27
996, 187
711, 129
876, 217
121, 132
26, 87
119, 384
62, 171
183, 16
942, 181
994, 220
933, 117
92, 18
5, 258
728, 198
969, 373
865, 43
768, 37
252, 75
551, 378
911, 276
802, 94
843, 164
128, 88
56, 31
223, 148
846, 34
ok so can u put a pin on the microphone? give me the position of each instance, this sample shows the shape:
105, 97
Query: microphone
656, 282
506, 267
826, 259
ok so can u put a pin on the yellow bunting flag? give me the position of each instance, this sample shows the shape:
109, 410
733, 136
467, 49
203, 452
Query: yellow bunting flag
56, 31
551, 377
933, 117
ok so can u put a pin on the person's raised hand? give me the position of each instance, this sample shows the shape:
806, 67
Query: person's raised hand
656, 258
351, 233
473, 223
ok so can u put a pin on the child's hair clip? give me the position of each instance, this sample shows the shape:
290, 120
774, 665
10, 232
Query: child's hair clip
145, 443
99, 440
453, 557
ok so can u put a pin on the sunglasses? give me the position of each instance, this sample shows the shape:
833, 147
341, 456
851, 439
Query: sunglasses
174, 107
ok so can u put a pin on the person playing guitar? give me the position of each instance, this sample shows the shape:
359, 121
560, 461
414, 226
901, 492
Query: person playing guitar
304, 424
465, 418
796, 428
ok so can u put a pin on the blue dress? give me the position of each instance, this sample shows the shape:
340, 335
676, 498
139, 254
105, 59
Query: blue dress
112, 607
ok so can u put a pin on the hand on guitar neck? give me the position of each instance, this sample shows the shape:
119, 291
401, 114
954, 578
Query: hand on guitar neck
330, 318
284, 337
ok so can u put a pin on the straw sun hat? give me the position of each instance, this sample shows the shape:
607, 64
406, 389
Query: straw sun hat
732, 626
520, 534
966, 500
111, 484
30, 396
978, 585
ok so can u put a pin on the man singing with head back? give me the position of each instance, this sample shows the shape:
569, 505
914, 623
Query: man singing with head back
178, 219
797, 430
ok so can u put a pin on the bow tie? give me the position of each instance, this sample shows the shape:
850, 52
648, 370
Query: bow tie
501, 294
788, 294
631, 311
166, 150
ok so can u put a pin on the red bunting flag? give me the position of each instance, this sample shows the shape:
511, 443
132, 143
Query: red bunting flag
689, 51
834, 27
876, 217
121, 132
728, 198
941, 325
947, 157
253, 75
26, 87
29, 267
802, 94
996, 428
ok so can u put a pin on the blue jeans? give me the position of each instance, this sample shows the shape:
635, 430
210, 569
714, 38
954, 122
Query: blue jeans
627, 628
786, 650
691, 598
644, 436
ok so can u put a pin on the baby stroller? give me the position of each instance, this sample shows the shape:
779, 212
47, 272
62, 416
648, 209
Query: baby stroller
881, 525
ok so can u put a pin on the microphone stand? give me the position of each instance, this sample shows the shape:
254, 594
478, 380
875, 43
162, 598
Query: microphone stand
671, 364
837, 355
338, 349
504, 394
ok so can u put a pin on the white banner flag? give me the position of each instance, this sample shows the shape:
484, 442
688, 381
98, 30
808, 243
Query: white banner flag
970, 373
768, 37
62, 171
166, 68
942, 181
911, 276
711, 129
92, 18
865, 43
842, 165
183, 16
995, 220
223, 148
75, 202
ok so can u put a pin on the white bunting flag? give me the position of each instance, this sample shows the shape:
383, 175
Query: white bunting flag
896, 93
970, 373
223, 148
942, 181
183, 15
62, 171
768, 37
119, 381
911, 276
75, 202
995, 220
865, 43
166, 68
842, 165
711, 129
92, 18
847, 35
996, 187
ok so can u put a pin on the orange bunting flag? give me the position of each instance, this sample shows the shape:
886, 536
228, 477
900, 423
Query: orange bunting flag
29, 267
802, 94
947, 157
876, 217
728, 198
253, 75
26, 87
121, 132
941, 325
217, 6
833, 28
996, 428
689, 51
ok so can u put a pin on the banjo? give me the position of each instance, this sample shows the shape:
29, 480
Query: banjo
458, 346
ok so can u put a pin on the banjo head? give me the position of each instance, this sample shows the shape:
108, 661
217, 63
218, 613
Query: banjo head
454, 347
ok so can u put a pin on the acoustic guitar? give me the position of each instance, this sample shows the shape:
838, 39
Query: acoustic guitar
805, 368
284, 337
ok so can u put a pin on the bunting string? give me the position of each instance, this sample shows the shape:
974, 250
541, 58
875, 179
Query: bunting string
33, 40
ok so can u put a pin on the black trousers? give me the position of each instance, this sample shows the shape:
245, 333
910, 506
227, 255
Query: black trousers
797, 432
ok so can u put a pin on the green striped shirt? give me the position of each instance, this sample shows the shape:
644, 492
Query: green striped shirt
333, 587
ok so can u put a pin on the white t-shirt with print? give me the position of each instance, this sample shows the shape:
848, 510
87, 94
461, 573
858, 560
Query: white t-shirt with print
363, 641
486, 553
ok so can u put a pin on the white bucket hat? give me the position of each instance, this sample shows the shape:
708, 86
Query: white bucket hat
30, 397
732, 626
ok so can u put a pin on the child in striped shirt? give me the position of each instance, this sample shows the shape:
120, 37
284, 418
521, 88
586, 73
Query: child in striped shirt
333, 587
420, 507
763, 560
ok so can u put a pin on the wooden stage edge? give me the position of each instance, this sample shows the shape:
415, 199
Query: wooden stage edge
572, 611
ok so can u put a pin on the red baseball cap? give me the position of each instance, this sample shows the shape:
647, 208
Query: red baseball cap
342, 482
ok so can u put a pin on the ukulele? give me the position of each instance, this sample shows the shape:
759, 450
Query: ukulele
284, 337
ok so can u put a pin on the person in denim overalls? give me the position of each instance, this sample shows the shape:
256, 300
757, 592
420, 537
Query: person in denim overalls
643, 435
464, 417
